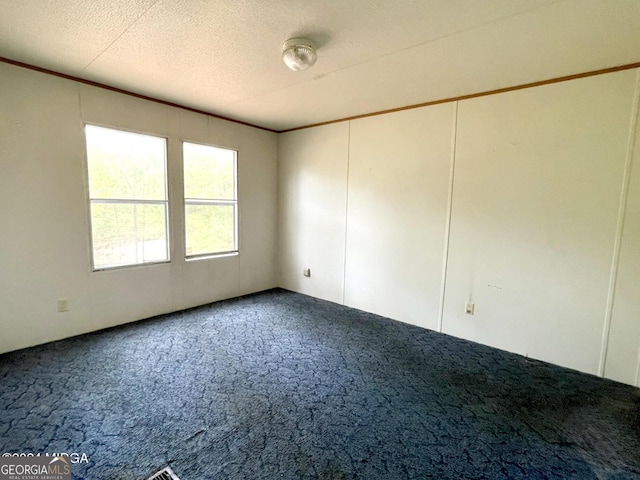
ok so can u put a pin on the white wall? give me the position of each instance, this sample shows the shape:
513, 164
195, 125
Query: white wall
44, 219
538, 178
397, 211
312, 209
623, 348
534, 206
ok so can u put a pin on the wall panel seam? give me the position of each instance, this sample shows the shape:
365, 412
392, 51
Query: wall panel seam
447, 233
346, 217
624, 195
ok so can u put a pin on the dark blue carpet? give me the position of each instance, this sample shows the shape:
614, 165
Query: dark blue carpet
280, 385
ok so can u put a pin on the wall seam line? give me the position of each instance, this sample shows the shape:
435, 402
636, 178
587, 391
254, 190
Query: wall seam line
633, 152
447, 233
346, 216
622, 208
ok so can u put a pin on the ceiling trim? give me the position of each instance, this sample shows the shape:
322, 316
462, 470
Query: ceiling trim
523, 86
127, 92
565, 78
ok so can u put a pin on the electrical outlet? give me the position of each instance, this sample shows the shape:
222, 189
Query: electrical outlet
306, 272
63, 305
469, 308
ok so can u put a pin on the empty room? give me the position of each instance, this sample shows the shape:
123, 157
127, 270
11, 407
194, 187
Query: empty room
338, 240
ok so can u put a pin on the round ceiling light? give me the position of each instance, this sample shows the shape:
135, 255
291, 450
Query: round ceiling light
299, 54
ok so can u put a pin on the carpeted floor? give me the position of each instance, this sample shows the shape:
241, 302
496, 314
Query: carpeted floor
280, 385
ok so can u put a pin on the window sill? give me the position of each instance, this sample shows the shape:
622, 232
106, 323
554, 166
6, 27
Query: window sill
211, 256
129, 266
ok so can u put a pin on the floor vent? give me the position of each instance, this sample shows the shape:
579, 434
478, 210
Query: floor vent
164, 474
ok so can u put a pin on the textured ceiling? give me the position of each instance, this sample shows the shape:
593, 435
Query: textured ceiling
223, 56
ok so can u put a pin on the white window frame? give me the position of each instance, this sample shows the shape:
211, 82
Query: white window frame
221, 202
122, 201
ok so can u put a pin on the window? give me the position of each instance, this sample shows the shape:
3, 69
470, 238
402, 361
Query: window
210, 203
128, 197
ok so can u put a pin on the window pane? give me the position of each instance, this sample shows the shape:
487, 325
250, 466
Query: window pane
209, 229
124, 165
209, 172
128, 234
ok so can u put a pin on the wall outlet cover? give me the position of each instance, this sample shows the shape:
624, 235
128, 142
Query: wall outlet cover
469, 308
63, 305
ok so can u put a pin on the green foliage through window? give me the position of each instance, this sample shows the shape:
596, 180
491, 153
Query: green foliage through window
210, 200
128, 196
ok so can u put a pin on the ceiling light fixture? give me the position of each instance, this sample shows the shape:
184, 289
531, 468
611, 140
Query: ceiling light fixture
299, 54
